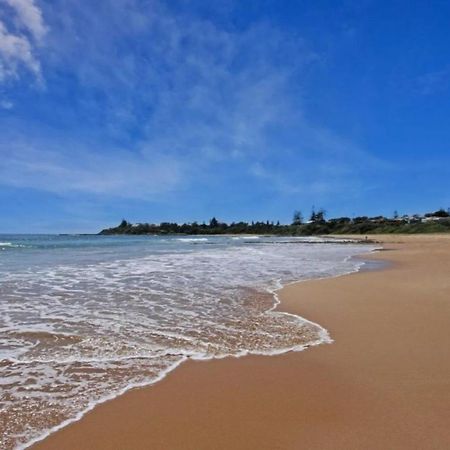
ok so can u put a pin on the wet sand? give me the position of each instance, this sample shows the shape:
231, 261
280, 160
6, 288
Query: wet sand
383, 384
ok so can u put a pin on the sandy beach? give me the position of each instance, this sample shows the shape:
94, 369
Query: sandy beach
383, 384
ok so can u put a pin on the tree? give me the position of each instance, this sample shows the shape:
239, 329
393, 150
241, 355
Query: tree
297, 219
320, 215
123, 224
395, 214
213, 223
441, 213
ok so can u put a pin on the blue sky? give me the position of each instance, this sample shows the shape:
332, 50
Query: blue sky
180, 110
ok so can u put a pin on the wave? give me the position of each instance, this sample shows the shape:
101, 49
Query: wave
192, 239
11, 245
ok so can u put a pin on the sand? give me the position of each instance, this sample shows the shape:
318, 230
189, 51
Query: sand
383, 384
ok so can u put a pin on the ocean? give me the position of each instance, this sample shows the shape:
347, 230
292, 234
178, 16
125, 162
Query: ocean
85, 318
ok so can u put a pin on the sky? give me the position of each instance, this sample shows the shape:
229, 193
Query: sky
182, 110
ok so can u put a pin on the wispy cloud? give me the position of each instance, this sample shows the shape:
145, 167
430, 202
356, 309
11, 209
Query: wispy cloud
29, 17
432, 82
63, 171
190, 95
6, 104
22, 30
192, 85
321, 165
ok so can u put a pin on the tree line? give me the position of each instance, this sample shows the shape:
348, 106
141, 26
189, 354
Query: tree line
316, 224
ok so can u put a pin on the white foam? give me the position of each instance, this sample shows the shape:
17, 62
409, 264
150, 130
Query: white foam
4, 245
193, 239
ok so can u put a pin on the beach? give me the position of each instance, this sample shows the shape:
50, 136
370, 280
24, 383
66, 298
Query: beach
384, 383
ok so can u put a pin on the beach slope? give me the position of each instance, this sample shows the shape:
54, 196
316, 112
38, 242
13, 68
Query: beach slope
383, 384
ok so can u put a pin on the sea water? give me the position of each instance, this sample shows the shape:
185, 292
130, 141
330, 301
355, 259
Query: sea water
85, 318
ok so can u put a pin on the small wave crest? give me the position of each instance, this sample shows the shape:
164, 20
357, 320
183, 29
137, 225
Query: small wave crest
11, 245
192, 239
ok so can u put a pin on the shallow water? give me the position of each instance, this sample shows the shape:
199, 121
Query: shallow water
84, 318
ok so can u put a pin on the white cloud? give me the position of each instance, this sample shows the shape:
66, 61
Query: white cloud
6, 104
117, 173
19, 37
29, 17
15, 50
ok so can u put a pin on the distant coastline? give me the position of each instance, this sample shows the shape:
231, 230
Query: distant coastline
433, 222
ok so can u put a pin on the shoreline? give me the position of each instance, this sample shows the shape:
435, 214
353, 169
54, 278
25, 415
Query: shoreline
99, 428
323, 338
